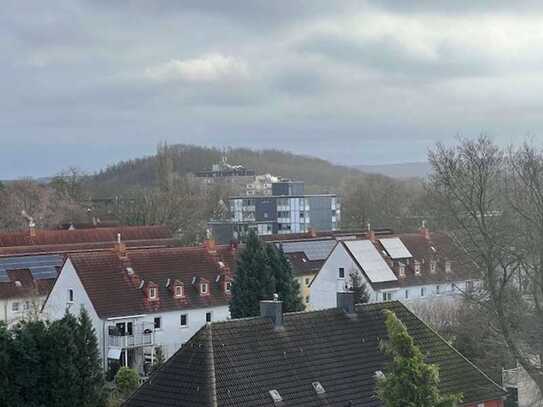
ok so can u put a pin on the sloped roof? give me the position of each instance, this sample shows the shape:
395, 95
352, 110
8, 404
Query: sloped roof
236, 363
108, 284
54, 237
28, 286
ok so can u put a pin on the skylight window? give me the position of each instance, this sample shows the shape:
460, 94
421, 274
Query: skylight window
319, 389
276, 397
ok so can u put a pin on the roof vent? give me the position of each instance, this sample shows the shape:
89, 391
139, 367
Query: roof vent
142, 283
218, 278
18, 283
193, 280
276, 397
319, 389
221, 264
379, 375
130, 271
167, 282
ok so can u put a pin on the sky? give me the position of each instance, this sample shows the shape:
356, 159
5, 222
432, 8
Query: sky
86, 83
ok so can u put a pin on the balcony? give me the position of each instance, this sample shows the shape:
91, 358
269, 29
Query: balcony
134, 336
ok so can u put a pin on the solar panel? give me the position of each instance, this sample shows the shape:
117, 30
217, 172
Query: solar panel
371, 261
313, 250
395, 248
41, 266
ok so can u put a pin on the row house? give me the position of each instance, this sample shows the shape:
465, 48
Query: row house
406, 267
320, 358
30, 261
142, 299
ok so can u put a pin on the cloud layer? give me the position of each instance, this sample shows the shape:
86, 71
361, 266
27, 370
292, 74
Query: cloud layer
354, 82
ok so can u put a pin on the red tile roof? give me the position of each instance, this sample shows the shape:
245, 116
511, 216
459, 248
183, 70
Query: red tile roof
66, 241
114, 292
28, 286
53, 237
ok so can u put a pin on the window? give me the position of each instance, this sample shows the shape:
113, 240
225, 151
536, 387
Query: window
203, 288
448, 267
341, 272
437, 289
184, 320
15, 307
26, 306
70, 295
422, 291
208, 316
178, 291
469, 286
307, 281
227, 287
406, 294
402, 270
387, 296
433, 265
157, 322
152, 293
417, 267
307, 299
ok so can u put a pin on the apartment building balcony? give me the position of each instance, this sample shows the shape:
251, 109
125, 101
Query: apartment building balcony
131, 335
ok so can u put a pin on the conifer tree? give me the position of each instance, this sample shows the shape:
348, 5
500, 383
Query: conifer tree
286, 286
408, 380
253, 280
359, 288
91, 377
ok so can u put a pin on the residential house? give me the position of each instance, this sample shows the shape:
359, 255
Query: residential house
30, 260
319, 358
141, 299
405, 267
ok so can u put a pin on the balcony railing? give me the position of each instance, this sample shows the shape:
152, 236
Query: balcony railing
142, 335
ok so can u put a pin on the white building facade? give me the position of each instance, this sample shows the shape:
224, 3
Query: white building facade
410, 267
132, 320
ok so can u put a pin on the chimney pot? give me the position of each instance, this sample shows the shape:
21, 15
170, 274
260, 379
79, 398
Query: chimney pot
273, 309
345, 302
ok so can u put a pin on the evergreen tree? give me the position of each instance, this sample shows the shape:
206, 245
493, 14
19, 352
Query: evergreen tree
8, 395
29, 351
62, 373
408, 380
359, 288
253, 280
159, 359
91, 377
127, 381
286, 286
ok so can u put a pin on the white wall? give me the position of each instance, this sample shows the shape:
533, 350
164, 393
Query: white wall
57, 303
171, 335
327, 283
27, 305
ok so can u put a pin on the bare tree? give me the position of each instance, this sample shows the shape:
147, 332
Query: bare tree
490, 199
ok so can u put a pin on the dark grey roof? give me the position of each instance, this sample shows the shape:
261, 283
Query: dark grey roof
41, 266
237, 363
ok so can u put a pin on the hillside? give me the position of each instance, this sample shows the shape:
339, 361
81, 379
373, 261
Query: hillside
403, 170
319, 175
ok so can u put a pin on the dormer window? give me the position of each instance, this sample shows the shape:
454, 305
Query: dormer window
178, 291
448, 266
433, 266
204, 289
153, 293
417, 267
401, 270
227, 287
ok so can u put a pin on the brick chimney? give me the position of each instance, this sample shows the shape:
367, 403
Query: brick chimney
425, 231
371, 233
120, 248
273, 309
210, 245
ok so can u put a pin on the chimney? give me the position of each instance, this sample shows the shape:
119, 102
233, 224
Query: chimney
345, 302
371, 233
273, 309
120, 247
425, 231
32, 228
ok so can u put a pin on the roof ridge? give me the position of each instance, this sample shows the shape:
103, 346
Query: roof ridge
211, 367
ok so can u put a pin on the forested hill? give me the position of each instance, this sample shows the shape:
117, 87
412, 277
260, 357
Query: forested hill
317, 173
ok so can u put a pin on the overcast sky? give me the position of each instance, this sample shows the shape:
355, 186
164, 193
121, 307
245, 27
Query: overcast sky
87, 83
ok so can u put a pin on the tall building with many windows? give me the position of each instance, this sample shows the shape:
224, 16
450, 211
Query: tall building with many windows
287, 210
